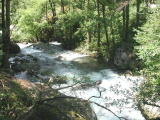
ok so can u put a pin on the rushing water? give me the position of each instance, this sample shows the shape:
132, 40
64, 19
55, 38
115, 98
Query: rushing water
117, 91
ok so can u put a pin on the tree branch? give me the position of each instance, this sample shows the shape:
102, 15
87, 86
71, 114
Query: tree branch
100, 94
120, 118
67, 86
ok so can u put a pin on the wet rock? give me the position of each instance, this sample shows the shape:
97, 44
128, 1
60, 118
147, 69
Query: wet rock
123, 58
153, 111
25, 63
149, 112
14, 48
59, 58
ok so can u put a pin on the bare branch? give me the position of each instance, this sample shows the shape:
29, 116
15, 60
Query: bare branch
70, 97
120, 118
100, 94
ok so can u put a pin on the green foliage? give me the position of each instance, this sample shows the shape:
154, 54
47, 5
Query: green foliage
71, 28
29, 21
69, 25
78, 25
148, 50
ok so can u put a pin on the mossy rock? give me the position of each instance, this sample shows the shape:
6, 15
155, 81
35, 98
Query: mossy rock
62, 109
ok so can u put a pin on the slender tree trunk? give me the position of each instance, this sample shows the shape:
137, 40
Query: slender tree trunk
54, 8
98, 28
111, 29
46, 8
138, 10
89, 37
3, 31
105, 28
62, 7
89, 34
124, 23
52, 5
7, 22
127, 23
3, 19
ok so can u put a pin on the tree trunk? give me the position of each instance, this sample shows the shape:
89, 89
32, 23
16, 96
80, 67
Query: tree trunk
124, 23
89, 34
112, 29
46, 10
105, 28
3, 19
6, 32
62, 7
138, 10
52, 5
127, 23
98, 28
89, 37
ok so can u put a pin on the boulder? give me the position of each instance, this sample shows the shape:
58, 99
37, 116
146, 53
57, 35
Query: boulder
14, 48
61, 109
149, 112
123, 59
27, 63
57, 106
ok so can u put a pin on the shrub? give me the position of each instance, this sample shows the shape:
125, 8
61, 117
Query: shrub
148, 50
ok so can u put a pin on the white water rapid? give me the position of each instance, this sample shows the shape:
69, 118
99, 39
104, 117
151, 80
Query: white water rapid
117, 91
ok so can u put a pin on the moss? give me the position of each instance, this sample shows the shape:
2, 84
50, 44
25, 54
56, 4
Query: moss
75, 115
61, 109
14, 100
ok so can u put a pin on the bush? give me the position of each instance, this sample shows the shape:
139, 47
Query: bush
29, 22
148, 50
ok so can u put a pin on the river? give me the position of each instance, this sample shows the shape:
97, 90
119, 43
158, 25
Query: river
117, 91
